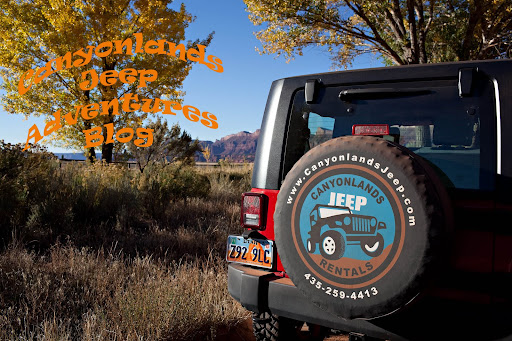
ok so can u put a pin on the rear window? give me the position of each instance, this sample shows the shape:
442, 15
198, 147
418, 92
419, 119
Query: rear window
454, 134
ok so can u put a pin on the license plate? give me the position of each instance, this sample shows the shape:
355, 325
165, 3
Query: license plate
255, 252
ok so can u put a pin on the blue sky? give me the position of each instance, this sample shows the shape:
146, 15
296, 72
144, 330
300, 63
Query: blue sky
236, 96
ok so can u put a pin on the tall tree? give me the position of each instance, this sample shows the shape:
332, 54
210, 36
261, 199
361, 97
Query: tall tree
38, 32
401, 31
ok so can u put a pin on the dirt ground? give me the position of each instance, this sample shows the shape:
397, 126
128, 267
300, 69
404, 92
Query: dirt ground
243, 332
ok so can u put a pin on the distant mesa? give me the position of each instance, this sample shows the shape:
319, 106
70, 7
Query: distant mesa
239, 147
323, 131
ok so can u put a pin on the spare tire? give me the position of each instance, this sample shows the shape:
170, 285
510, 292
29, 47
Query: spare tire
378, 201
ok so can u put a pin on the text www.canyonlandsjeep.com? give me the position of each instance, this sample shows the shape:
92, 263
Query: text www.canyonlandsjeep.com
363, 160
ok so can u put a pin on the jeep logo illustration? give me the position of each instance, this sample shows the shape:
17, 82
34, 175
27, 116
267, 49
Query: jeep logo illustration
346, 225
362, 230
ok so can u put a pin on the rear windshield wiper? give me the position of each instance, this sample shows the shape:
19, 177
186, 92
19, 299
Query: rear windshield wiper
376, 93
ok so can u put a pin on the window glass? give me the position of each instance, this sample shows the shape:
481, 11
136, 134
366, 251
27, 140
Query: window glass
436, 124
321, 129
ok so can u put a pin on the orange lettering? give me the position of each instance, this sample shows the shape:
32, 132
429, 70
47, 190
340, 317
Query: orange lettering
91, 135
215, 64
209, 120
69, 116
196, 55
108, 45
127, 106
127, 44
143, 133
109, 77
53, 125
155, 108
47, 69
153, 47
173, 48
128, 76
122, 131
106, 106
170, 104
110, 132
89, 84
33, 133
191, 113
90, 111
145, 78
21, 85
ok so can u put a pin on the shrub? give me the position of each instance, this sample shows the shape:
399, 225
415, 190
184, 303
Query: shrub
228, 183
101, 192
31, 195
42, 199
161, 184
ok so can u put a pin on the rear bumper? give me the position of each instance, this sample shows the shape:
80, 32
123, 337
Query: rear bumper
259, 290
431, 319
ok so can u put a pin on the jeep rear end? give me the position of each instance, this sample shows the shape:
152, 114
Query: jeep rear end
452, 121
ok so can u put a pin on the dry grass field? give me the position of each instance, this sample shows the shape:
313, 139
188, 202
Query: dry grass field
98, 252
73, 293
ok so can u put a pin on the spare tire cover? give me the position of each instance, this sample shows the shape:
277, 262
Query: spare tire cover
359, 225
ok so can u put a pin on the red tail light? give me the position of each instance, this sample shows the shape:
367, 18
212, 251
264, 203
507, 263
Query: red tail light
254, 210
370, 129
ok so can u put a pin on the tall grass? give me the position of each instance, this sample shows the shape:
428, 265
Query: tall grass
73, 293
102, 252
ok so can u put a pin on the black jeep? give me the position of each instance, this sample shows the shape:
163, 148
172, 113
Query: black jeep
422, 152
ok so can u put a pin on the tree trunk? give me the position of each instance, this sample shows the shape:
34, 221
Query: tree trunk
475, 15
90, 153
107, 149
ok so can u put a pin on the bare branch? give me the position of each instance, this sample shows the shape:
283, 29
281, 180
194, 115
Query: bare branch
398, 18
431, 16
418, 9
395, 26
413, 35
385, 46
